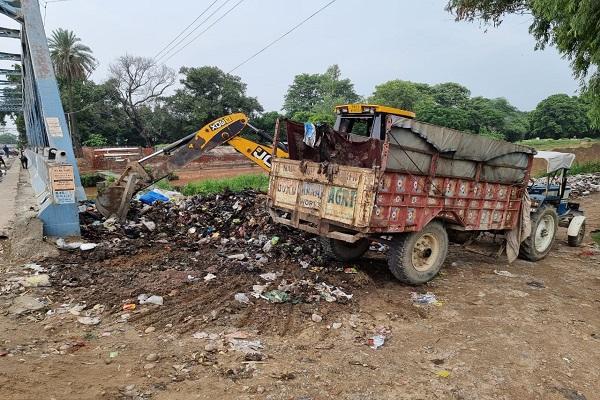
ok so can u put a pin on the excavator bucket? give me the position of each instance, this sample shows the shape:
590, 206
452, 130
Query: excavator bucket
114, 200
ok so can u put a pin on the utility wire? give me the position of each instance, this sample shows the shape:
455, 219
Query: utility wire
282, 36
180, 41
206, 29
186, 28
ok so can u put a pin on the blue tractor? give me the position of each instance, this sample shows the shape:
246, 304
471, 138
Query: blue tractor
551, 208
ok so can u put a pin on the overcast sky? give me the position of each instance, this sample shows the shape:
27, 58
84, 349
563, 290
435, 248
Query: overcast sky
371, 41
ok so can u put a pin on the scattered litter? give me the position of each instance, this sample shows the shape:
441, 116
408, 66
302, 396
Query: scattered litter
505, 273
242, 298
150, 225
153, 299
113, 354
536, 284
34, 267
238, 257
443, 373
63, 245
270, 276
276, 296
245, 346
41, 280
376, 341
25, 303
209, 277
350, 270
152, 197
88, 246
88, 320
200, 335
425, 299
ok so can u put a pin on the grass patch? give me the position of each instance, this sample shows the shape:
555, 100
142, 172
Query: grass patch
589, 167
91, 180
164, 184
235, 184
550, 144
596, 236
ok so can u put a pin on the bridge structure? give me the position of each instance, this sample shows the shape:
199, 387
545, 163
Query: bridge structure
30, 88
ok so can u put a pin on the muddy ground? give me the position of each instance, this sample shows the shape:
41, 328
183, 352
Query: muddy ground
532, 335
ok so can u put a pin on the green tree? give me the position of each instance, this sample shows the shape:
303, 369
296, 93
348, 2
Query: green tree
397, 93
450, 94
317, 94
7, 138
569, 25
95, 140
450, 117
72, 62
208, 93
559, 116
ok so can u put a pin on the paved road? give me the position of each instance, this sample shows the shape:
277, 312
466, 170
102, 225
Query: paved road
8, 196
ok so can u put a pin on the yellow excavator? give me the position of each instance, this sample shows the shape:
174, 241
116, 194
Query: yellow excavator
365, 119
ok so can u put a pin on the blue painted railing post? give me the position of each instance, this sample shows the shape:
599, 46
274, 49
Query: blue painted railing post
54, 172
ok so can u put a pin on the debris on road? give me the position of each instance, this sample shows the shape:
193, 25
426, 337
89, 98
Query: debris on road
505, 273
425, 299
150, 299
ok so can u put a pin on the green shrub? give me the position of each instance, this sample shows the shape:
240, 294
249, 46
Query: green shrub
90, 180
585, 168
235, 184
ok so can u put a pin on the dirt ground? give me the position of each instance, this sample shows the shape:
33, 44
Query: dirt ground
532, 335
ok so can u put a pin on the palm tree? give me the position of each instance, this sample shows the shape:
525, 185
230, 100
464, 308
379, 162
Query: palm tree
72, 61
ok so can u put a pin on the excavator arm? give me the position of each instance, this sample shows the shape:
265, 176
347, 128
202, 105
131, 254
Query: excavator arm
114, 199
258, 153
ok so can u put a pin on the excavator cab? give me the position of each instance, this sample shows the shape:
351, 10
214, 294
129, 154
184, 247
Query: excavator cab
366, 119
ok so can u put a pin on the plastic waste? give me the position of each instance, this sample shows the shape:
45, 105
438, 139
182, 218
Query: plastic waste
242, 298
88, 320
376, 341
425, 298
277, 296
153, 299
152, 197
63, 245
505, 273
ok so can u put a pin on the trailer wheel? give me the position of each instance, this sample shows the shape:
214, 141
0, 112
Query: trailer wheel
544, 224
416, 257
344, 251
575, 241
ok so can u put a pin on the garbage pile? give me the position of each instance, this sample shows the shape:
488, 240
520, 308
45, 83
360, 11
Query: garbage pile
229, 221
215, 254
584, 184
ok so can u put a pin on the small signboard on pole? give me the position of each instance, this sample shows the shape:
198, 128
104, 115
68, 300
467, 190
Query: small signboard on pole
62, 180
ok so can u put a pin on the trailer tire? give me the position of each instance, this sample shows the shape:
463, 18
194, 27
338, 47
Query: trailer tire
344, 251
417, 257
575, 241
544, 222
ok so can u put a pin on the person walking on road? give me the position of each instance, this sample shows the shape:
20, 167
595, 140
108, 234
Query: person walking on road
3, 163
6, 149
24, 161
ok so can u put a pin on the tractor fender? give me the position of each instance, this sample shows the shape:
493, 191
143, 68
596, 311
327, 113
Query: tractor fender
575, 224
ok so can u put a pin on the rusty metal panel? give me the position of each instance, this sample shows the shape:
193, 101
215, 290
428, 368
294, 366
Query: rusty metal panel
339, 194
407, 202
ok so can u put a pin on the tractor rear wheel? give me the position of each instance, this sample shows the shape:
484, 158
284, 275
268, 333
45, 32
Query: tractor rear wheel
417, 257
544, 224
575, 241
344, 251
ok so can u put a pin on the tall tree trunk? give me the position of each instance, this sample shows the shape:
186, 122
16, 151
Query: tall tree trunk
73, 124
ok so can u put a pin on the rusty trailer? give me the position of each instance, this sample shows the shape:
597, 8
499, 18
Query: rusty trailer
415, 183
